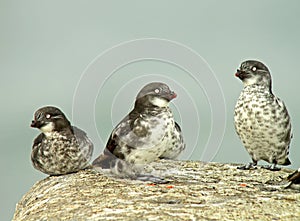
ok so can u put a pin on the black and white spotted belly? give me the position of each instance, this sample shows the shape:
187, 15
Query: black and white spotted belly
60, 154
161, 138
263, 124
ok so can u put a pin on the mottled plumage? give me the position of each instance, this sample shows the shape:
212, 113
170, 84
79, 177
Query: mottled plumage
261, 119
146, 134
60, 148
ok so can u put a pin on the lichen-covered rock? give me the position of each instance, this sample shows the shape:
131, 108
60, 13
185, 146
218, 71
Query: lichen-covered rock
197, 191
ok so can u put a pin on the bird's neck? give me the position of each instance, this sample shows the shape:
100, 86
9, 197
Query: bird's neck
56, 133
159, 102
259, 88
150, 103
149, 109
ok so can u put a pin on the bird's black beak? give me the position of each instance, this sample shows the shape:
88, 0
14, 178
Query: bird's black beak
36, 124
240, 74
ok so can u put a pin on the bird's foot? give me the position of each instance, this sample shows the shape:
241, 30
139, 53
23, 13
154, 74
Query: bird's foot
271, 167
151, 178
247, 166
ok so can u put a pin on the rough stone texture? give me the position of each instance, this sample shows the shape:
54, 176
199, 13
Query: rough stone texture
197, 191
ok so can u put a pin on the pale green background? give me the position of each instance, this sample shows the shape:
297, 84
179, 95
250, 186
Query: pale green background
46, 45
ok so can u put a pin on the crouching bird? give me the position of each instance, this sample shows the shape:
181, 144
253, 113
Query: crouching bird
60, 148
149, 132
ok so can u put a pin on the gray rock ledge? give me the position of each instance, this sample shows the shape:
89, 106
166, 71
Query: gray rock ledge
197, 191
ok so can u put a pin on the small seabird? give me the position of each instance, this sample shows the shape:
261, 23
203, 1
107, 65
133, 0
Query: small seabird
261, 119
60, 148
148, 133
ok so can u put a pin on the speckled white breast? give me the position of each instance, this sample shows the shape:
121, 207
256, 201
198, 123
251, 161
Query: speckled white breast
263, 124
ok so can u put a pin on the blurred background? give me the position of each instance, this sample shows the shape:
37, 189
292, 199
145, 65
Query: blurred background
48, 47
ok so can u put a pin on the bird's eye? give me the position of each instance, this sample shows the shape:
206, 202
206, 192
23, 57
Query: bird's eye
253, 68
156, 90
48, 116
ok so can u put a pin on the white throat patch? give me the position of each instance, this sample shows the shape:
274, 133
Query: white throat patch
48, 129
160, 102
250, 81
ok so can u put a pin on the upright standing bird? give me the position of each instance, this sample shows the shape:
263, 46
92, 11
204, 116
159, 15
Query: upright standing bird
60, 148
147, 133
261, 119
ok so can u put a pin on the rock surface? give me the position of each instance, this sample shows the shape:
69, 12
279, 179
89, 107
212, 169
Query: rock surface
197, 191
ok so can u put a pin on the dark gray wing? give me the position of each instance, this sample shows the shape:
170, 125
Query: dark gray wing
140, 132
35, 151
178, 130
85, 144
134, 131
38, 140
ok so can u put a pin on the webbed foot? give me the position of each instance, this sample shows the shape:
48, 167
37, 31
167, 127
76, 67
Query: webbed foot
271, 167
151, 178
248, 166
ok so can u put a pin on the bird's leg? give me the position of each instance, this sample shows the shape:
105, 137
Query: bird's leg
271, 167
251, 165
